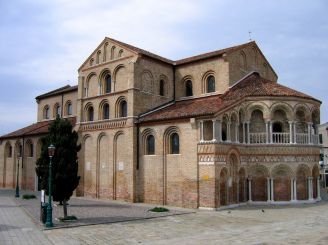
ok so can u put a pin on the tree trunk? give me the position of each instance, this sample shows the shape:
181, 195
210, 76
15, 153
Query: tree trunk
65, 208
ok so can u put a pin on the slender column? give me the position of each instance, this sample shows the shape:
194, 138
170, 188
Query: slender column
250, 190
318, 189
201, 131
248, 139
272, 191
290, 132
270, 132
237, 191
228, 132
244, 134
295, 138
309, 133
267, 132
268, 189
310, 191
227, 192
237, 133
214, 139
292, 190
295, 190
219, 130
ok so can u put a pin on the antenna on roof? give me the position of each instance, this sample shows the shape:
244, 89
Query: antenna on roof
250, 37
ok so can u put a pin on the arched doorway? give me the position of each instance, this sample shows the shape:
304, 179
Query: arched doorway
302, 175
242, 185
258, 177
282, 183
223, 187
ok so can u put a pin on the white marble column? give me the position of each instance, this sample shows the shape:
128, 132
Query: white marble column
290, 132
292, 190
272, 190
267, 132
201, 123
310, 188
270, 132
268, 189
295, 138
228, 132
295, 190
237, 191
249, 189
214, 137
244, 134
318, 189
309, 133
219, 131
248, 139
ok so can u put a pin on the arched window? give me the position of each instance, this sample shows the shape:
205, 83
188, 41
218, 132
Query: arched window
112, 53
10, 151
90, 114
123, 109
210, 84
161, 87
46, 112
108, 84
91, 61
98, 56
30, 149
277, 127
57, 110
106, 111
189, 88
150, 148
120, 53
69, 108
174, 143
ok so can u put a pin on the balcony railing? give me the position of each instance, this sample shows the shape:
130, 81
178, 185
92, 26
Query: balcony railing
257, 138
280, 138
302, 139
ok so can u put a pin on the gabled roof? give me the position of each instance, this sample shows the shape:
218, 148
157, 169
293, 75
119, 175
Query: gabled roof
38, 128
137, 50
57, 91
252, 85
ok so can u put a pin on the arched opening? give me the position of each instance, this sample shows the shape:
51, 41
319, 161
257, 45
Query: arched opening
150, 145
280, 127
161, 87
46, 112
277, 127
282, 183
258, 178
189, 91
302, 175
210, 84
257, 127
232, 181
108, 84
242, 185
174, 144
69, 108
90, 114
106, 111
123, 109
234, 128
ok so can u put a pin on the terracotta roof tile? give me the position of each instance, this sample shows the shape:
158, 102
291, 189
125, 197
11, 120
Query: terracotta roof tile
38, 128
251, 86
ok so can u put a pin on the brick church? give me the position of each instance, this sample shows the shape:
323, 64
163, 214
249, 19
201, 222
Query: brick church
207, 131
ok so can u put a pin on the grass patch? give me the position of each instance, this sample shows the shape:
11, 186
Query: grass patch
28, 196
159, 209
68, 218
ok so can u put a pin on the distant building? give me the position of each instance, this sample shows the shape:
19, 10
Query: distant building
207, 131
323, 138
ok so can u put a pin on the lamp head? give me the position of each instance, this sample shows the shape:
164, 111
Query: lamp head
51, 150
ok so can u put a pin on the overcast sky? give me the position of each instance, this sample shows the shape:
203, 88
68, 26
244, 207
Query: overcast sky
43, 43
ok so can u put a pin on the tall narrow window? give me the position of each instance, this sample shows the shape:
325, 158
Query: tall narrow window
20, 151
124, 108
90, 114
189, 88
108, 84
106, 111
120, 53
210, 84
46, 112
150, 145
58, 110
31, 150
10, 151
69, 109
175, 145
161, 88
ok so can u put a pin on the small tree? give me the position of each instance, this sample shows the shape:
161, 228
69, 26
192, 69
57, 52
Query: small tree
64, 162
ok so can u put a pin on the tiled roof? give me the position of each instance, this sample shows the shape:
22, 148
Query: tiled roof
61, 90
182, 61
38, 128
252, 85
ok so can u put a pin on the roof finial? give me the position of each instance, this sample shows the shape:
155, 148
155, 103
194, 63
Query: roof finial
250, 37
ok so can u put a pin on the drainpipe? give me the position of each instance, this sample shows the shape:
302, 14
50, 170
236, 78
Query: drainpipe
62, 105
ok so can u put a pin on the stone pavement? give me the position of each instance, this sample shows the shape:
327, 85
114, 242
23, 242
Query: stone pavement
16, 227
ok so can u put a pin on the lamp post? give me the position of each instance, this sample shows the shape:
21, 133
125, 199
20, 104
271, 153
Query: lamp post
17, 177
51, 152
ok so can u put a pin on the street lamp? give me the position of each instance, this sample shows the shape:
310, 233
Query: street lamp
17, 177
51, 152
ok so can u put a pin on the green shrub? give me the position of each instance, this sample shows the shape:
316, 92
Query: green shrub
159, 209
